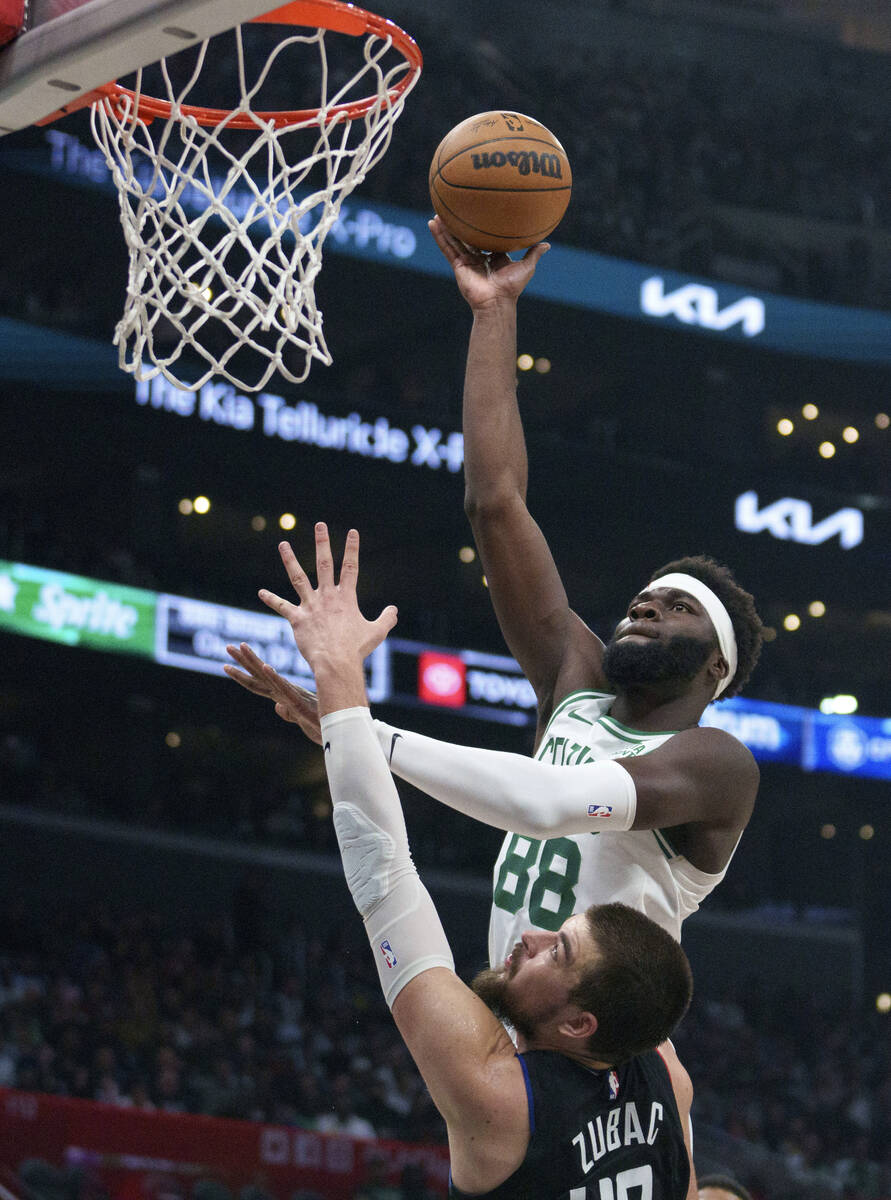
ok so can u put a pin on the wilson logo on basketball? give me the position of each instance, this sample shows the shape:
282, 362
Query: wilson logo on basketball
527, 162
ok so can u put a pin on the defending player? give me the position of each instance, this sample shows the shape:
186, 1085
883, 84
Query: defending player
587, 1108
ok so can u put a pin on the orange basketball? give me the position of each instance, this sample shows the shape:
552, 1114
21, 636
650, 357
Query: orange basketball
500, 181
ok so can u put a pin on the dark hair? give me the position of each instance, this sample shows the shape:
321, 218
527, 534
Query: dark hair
739, 604
638, 989
725, 1182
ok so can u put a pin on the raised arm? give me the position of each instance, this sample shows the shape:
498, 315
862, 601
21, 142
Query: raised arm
461, 1049
556, 650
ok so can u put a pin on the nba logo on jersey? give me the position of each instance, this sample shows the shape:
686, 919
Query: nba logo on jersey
599, 810
613, 1085
389, 957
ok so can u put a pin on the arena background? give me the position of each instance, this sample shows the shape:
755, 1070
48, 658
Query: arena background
176, 932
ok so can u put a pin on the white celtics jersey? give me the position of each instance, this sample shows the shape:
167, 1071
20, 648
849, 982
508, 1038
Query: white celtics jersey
538, 884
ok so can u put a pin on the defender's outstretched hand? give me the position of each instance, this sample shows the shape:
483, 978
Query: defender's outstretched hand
330, 631
483, 278
293, 703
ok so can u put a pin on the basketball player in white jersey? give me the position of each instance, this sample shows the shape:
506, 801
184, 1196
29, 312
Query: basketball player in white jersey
627, 798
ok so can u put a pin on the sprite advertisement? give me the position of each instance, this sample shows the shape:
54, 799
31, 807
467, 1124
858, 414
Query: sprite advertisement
76, 611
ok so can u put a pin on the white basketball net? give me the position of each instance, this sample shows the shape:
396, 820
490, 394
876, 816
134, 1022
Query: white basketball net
225, 245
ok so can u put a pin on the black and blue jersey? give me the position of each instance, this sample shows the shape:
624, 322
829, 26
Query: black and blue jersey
598, 1135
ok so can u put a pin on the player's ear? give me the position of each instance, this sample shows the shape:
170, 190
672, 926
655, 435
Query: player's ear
718, 667
581, 1025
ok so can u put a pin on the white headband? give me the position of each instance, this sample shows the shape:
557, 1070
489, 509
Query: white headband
717, 613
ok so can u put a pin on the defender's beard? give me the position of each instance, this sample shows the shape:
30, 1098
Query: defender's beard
491, 987
627, 663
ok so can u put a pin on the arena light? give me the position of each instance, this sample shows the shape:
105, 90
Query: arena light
827, 450
202, 505
173, 740
791, 622
525, 362
827, 831
842, 705
867, 832
883, 1002
467, 554
542, 365
785, 427
810, 412
185, 506
850, 434
258, 523
816, 608
197, 290
882, 420
287, 521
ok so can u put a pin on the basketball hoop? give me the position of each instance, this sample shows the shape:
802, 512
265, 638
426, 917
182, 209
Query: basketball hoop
225, 211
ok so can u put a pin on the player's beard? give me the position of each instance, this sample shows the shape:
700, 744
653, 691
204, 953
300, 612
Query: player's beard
631, 663
491, 987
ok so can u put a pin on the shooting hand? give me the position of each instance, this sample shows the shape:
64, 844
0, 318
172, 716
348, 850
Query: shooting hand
485, 278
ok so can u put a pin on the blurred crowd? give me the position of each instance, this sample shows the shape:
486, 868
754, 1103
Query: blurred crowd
791, 1074
669, 154
124, 1010
200, 789
121, 1010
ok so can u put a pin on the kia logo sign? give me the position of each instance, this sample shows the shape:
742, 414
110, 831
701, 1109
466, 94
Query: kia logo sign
792, 520
697, 304
442, 679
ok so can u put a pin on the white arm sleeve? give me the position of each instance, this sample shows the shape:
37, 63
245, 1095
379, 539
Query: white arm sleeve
510, 791
401, 922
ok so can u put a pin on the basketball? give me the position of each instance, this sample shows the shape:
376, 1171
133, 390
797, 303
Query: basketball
500, 181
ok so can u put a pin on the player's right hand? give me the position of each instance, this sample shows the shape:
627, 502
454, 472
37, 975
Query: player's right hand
485, 278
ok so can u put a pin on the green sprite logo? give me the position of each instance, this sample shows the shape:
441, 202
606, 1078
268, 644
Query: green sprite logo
76, 610
99, 613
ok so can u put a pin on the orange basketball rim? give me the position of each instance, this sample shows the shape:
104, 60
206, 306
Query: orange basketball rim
335, 15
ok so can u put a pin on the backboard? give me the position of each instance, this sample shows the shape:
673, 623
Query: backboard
224, 207
69, 47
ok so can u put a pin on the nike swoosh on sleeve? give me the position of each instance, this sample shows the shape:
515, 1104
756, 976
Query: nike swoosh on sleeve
392, 747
